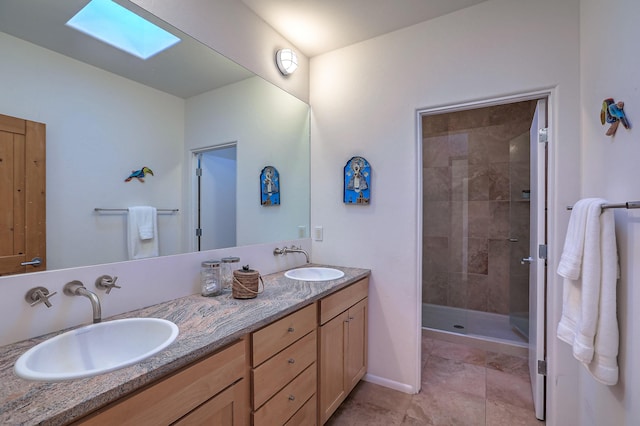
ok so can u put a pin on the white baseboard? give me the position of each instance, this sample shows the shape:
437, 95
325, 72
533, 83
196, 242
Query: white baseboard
391, 384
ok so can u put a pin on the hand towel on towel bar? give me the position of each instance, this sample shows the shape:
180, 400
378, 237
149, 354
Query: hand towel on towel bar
589, 266
142, 232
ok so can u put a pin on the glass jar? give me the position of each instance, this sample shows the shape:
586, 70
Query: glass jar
210, 278
228, 266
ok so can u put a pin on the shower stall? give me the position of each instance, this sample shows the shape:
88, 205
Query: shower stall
476, 193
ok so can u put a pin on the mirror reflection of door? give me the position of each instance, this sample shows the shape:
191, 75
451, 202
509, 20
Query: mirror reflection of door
216, 200
22, 196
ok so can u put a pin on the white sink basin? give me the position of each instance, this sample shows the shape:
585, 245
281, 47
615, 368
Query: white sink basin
314, 274
96, 349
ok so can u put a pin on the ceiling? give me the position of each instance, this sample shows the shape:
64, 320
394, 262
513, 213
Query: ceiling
319, 26
313, 26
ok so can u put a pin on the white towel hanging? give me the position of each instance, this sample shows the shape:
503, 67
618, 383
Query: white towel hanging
142, 232
589, 265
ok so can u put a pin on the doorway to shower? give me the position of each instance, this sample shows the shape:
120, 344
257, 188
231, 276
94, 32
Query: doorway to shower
483, 224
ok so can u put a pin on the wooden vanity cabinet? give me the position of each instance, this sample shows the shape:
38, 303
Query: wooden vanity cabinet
284, 370
342, 349
211, 391
295, 371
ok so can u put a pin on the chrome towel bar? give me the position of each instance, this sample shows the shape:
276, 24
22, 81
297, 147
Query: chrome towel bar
99, 210
626, 205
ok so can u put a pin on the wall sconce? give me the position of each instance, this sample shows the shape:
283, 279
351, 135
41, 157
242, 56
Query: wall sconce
287, 61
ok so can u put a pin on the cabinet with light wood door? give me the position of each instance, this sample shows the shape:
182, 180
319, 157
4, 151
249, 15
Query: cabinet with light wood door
284, 370
342, 349
211, 391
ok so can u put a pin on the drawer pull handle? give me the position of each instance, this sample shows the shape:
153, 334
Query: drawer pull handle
350, 318
291, 361
292, 398
290, 329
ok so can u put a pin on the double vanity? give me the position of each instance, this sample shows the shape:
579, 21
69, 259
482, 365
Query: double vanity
289, 356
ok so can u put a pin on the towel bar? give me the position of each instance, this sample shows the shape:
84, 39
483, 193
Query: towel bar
98, 209
626, 205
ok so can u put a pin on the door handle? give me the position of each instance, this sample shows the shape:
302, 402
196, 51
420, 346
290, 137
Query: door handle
36, 261
527, 260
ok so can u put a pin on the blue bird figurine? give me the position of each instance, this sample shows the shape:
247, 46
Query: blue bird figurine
139, 174
605, 115
617, 111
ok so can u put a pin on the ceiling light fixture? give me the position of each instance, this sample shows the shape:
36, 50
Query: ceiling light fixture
118, 26
287, 61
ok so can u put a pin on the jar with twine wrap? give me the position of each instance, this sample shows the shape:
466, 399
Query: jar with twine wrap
246, 283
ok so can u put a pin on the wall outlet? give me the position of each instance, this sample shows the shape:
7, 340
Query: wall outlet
302, 231
318, 233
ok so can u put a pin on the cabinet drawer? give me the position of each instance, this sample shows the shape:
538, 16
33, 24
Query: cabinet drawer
342, 300
288, 401
306, 416
172, 398
277, 336
276, 372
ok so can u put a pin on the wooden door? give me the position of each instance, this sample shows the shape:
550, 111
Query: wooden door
22, 195
357, 345
224, 409
333, 341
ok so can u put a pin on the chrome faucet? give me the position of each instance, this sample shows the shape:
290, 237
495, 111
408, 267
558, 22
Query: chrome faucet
76, 288
284, 250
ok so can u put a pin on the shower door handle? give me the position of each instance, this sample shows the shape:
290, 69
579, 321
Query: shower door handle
527, 260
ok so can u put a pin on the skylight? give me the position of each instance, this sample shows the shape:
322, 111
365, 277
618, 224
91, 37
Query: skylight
115, 25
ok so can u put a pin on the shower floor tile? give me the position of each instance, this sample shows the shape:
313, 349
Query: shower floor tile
471, 323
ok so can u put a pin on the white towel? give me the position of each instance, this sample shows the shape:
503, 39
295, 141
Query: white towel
142, 232
571, 260
589, 264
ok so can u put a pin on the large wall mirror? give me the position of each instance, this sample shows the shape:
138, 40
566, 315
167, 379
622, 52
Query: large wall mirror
108, 113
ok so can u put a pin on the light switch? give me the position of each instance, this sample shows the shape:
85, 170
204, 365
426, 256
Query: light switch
317, 233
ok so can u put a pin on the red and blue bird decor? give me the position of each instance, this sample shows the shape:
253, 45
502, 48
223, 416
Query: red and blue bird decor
613, 113
139, 174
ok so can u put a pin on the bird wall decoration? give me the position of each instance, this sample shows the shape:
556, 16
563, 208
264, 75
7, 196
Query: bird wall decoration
613, 113
139, 174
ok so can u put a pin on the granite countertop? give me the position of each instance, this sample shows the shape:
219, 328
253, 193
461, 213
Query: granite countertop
206, 324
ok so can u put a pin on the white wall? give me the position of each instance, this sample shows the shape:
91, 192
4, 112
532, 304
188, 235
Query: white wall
232, 29
364, 100
100, 127
610, 67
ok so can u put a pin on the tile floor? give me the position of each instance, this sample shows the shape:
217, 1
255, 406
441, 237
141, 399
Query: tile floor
461, 385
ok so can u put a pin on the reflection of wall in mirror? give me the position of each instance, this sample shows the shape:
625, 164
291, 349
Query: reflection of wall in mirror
278, 135
101, 126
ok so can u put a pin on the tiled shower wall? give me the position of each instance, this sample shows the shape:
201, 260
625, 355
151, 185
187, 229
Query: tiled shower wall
475, 183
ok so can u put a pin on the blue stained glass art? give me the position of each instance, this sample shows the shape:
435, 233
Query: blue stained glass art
357, 181
269, 186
